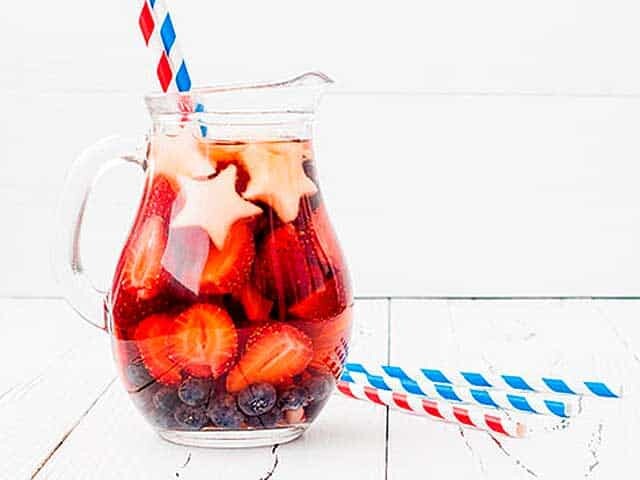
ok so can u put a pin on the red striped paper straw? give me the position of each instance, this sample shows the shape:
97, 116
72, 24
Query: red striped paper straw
160, 36
470, 416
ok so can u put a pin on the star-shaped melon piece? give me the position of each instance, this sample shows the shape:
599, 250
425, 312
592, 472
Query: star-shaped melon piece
277, 177
214, 205
180, 156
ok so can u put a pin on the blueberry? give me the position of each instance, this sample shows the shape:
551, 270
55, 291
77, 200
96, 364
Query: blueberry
165, 399
223, 412
313, 409
293, 398
137, 375
257, 399
269, 419
191, 418
143, 399
272, 418
319, 386
162, 419
254, 422
157, 402
194, 391
224, 400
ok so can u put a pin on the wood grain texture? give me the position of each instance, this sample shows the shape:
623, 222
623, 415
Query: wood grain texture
113, 442
57, 420
430, 196
570, 338
53, 370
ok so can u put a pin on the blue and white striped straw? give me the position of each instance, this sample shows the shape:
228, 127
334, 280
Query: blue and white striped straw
160, 35
490, 381
531, 403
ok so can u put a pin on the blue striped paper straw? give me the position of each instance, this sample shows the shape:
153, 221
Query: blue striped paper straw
486, 380
160, 31
531, 403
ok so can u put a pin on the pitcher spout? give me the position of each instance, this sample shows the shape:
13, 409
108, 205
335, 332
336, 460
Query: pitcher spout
314, 84
309, 79
299, 94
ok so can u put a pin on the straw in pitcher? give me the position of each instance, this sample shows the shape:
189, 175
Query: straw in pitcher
159, 34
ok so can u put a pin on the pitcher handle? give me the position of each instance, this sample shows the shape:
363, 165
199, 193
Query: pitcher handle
85, 172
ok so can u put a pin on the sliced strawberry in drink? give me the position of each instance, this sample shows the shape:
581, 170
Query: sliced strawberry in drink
185, 256
153, 338
204, 340
128, 310
329, 300
256, 307
273, 354
161, 197
327, 237
142, 270
314, 222
332, 343
226, 270
330, 340
290, 265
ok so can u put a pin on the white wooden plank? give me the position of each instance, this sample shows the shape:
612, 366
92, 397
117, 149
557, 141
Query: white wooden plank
419, 331
568, 338
53, 369
498, 45
430, 196
113, 442
622, 318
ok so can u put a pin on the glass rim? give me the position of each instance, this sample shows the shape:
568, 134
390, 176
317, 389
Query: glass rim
299, 95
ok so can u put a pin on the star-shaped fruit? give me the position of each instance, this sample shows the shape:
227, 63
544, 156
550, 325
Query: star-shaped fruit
276, 176
180, 156
214, 205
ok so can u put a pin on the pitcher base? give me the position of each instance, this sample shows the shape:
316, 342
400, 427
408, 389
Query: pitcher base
233, 438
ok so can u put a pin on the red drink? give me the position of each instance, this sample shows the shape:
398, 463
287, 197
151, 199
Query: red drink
231, 304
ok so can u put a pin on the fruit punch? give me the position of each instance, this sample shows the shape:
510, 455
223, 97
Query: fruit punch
231, 303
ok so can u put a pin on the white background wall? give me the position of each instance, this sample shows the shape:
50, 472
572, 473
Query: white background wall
469, 148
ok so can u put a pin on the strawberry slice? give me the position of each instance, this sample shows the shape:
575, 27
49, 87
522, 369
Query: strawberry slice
185, 256
330, 340
290, 265
327, 237
142, 268
228, 269
256, 307
153, 337
331, 345
204, 340
328, 301
273, 354
160, 198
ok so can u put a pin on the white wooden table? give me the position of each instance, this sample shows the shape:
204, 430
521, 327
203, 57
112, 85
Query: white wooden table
63, 416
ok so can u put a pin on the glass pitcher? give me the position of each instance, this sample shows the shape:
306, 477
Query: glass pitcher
230, 307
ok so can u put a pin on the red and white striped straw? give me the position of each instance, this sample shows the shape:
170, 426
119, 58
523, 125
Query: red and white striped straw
487, 419
159, 34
